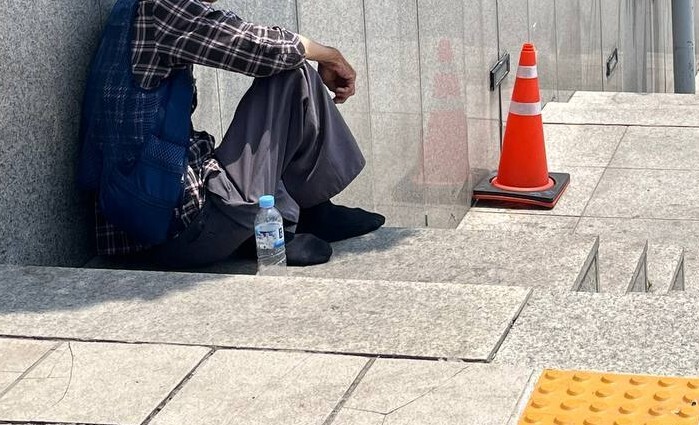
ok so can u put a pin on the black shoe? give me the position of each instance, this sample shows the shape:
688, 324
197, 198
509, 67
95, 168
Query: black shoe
301, 250
334, 223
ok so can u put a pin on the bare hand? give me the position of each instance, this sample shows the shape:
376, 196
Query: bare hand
338, 75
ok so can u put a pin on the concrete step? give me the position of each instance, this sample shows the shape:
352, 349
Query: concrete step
666, 268
461, 256
623, 266
692, 270
632, 100
636, 333
659, 115
625, 263
439, 255
386, 319
630, 266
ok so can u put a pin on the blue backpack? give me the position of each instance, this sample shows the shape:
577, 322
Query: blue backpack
134, 142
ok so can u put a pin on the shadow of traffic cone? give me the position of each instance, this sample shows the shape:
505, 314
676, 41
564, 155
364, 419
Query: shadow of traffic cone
523, 176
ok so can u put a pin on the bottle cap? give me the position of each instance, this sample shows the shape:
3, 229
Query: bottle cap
267, 201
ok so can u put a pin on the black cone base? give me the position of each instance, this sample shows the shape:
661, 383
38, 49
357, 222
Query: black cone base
485, 191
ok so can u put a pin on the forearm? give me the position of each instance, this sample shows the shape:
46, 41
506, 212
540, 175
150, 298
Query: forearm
317, 52
333, 68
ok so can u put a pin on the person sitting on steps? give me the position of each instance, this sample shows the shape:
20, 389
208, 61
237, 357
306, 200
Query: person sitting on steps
287, 138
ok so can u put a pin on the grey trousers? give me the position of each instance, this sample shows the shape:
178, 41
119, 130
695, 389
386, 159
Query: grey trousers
287, 138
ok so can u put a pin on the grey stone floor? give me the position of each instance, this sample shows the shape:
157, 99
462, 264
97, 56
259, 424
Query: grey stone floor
393, 319
115, 383
629, 184
135, 347
425, 334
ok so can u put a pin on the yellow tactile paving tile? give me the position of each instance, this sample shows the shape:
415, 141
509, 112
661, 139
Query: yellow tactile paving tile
586, 398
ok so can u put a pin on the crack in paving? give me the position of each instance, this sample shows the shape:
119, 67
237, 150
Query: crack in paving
364, 410
70, 376
431, 390
9, 388
273, 381
426, 393
178, 387
244, 348
58, 360
510, 325
346, 396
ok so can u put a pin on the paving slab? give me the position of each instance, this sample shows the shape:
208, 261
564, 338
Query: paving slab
433, 255
632, 100
17, 356
673, 232
254, 387
393, 383
618, 256
619, 253
580, 145
507, 222
636, 333
666, 148
583, 181
667, 236
653, 116
99, 383
408, 392
663, 194
325, 315
618, 260
460, 256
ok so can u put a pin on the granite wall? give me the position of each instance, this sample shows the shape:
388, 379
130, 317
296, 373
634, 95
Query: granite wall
45, 47
423, 113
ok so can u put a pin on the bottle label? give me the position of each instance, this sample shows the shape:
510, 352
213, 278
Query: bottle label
269, 236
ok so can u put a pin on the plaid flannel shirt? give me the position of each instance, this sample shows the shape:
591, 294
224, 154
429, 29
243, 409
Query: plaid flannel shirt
172, 34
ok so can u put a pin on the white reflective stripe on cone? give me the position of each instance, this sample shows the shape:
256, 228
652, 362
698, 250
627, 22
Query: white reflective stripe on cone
527, 72
525, 109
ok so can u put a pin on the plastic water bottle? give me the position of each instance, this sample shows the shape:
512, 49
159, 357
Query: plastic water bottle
269, 235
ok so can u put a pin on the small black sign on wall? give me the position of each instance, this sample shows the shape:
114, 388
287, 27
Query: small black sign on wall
612, 62
499, 71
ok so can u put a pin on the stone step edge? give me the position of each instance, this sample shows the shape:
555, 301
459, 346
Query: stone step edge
643, 266
588, 279
678, 280
629, 99
570, 114
584, 106
410, 286
639, 279
622, 266
247, 267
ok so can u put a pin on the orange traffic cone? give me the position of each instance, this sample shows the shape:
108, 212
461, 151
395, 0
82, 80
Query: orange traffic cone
523, 175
